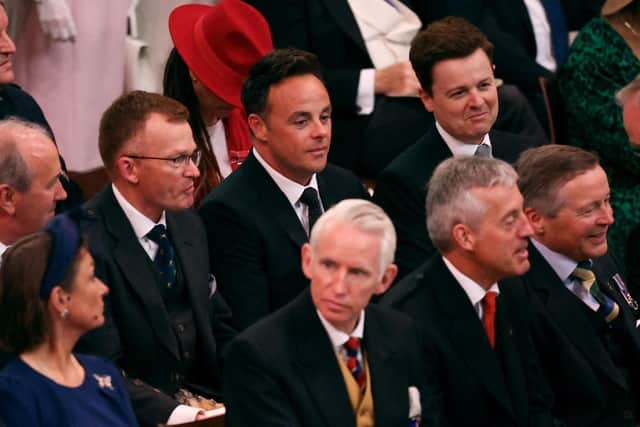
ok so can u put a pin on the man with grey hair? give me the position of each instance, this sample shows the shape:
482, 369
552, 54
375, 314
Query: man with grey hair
326, 358
481, 368
30, 175
582, 318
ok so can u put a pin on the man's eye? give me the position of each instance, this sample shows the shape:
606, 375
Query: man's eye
180, 160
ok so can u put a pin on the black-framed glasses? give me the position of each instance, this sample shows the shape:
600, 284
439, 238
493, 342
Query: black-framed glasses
179, 161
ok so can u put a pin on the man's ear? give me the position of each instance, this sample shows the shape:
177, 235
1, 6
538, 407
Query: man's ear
127, 168
536, 220
258, 127
8, 196
306, 260
463, 236
427, 100
388, 277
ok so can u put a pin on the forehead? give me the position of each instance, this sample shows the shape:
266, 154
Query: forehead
462, 71
297, 93
498, 199
587, 187
342, 237
159, 135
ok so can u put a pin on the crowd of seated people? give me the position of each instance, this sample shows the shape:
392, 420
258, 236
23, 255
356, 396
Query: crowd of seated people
228, 267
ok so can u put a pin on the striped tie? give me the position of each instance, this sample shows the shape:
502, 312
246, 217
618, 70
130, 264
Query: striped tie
352, 347
608, 308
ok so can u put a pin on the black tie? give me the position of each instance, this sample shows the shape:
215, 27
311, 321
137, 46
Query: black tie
165, 260
310, 198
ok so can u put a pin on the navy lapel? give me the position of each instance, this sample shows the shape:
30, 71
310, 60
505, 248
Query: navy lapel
319, 368
342, 14
562, 307
383, 368
274, 202
467, 334
130, 257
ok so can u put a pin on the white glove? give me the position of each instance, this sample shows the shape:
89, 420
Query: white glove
56, 20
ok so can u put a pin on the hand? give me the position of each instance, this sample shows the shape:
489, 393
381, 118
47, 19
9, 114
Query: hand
397, 80
56, 20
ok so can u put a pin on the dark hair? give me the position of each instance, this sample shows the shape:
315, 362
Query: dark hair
128, 115
544, 170
178, 85
271, 69
24, 316
448, 38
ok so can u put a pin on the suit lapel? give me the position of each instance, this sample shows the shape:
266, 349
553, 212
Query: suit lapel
383, 369
319, 368
342, 14
274, 202
563, 308
131, 259
468, 336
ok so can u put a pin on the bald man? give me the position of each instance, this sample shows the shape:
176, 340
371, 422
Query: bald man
30, 183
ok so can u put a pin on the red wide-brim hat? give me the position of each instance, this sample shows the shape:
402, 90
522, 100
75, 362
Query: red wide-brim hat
220, 43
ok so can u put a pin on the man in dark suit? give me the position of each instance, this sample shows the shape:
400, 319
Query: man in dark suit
327, 359
481, 367
164, 321
377, 114
259, 217
582, 318
452, 59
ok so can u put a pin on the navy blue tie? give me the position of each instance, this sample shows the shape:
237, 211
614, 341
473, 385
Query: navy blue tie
559, 33
165, 259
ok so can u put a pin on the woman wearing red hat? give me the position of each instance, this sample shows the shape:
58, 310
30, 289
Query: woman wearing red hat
214, 49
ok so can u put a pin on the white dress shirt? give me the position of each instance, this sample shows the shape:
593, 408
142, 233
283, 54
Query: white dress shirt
292, 190
3, 248
564, 266
220, 150
459, 148
339, 338
542, 34
474, 291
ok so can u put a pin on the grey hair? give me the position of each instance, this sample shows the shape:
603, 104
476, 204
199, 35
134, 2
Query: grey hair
14, 170
365, 216
449, 197
624, 94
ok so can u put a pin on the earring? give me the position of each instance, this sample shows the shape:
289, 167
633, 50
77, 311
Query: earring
64, 313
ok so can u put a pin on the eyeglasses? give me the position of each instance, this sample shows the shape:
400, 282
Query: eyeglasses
179, 161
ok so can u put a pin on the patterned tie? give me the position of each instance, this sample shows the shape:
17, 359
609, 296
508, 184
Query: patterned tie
310, 198
352, 347
165, 257
489, 316
559, 33
608, 308
483, 150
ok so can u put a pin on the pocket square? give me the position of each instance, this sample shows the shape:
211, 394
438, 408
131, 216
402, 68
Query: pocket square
415, 408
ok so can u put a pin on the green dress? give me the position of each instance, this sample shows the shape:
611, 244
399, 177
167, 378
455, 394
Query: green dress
599, 64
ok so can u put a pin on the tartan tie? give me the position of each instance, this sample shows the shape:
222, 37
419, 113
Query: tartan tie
165, 257
352, 347
489, 316
608, 308
310, 198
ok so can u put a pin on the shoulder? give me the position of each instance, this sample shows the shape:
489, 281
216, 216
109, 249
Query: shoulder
419, 160
508, 146
408, 293
337, 178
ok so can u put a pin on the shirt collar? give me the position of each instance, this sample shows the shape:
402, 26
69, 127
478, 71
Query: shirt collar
561, 264
139, 222
457, 147
3, 248
474, 291
291, 189
338, 338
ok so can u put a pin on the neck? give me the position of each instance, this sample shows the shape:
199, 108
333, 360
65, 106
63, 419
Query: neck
138, 202
471, 269
209, 118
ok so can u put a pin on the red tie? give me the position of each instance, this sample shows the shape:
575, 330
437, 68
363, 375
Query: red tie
489, 316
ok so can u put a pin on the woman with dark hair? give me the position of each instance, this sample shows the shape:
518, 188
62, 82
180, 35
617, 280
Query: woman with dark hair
49, 297
215, 46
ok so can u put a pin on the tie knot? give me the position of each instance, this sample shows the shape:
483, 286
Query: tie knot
158, 233
583, 271
489, 302
483, 150
310, 197
352, 346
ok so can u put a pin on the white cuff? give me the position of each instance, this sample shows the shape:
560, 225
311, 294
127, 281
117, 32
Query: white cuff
366, 91
183, 414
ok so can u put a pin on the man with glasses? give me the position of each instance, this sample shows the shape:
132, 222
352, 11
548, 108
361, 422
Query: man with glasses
165, 323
